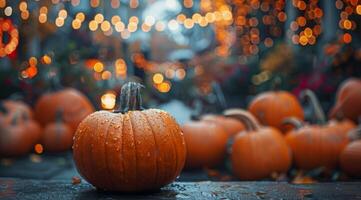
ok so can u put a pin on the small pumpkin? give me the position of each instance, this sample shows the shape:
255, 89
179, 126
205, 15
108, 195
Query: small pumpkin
350, 158
206, 144
231, 126
348, 100
258, 151
129, 150
18, 137
8, 108
315, 146
57, 136
271, 108
74, 104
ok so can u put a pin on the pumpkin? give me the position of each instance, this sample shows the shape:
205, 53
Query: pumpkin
19, 136
231, 126
348, 100
57, 136
350, 158
258, 151
271, 108
206, 144
131, 149
74, 104
315, 146
9, 107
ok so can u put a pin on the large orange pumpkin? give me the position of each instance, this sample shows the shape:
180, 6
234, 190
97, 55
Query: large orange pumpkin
206, 144
271, 108
74, 104
348, 100
350, 159
57, 136
19, 136
258, 151
315, 146
129, 150
231, 126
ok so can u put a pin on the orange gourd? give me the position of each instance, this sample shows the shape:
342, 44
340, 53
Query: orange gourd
18, 136
231, 126
8, 108
206, 144
350, 158
271, 108
258, 151
74, 104
129, 150
57, 136
348, 100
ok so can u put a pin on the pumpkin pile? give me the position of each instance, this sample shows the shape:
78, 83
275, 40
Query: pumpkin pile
131, 149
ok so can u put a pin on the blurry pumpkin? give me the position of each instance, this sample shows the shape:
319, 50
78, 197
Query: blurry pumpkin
57, 136
350, 158
206, 144
348, 100
231, 126
271, 108
9, 107
258, 151
74, 104
19, 136
129, 150
315, 146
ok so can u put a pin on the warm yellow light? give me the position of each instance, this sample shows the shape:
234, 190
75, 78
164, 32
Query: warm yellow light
80, 16
203, 22
115, 19
2, 3
210, 17
98, 67
170, 73
134, 19
303, 40
133, 4
94, 3
76, 24
180, 73
63, 14
347, 24
119, 26
108, 100
43, 9
196, 17
145, 28
38, 148
46, 59
25, 15
106, 75
99, 18
308, 32
132, 27
23, 6
120, 68
105, 26
188, 23
59, 22
181, 18
33, 61
42, 18
164, 87
93, 25
358, 9
158, 78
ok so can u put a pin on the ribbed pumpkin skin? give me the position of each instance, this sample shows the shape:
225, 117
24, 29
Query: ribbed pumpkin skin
206, 144
57, 137
75, 107
316, 146
135, 151
350, 159
231, 126
255, 155
271, 108
348, 100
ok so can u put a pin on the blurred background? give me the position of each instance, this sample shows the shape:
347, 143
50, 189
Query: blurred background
192, 56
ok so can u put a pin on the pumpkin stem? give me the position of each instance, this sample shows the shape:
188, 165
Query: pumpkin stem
245, 117
130, 97
315, 104
294, 122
